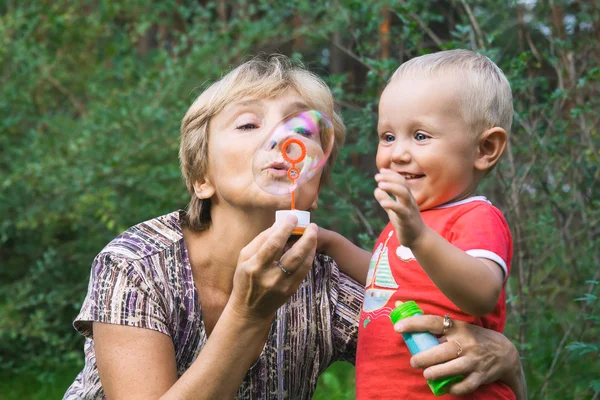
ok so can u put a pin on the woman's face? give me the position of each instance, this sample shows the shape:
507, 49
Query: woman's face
235, 134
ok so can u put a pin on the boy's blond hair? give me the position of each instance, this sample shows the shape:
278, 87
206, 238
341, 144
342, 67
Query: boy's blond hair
262, 78
487, 98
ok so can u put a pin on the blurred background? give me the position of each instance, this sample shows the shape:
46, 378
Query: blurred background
93, 93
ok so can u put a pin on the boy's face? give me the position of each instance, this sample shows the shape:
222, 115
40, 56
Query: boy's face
423, 137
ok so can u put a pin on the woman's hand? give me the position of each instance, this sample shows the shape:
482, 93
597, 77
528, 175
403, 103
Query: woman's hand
486, 356
267, 275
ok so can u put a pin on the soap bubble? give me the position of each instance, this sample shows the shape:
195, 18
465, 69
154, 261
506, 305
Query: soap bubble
295, 151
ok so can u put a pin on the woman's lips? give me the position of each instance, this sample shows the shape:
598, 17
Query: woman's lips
277, 169
277, 172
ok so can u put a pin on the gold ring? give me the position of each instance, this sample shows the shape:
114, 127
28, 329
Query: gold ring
447, 324
285, 271
459, 352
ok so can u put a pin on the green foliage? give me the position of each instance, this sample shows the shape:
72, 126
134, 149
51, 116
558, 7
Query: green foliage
337, 383
93, 93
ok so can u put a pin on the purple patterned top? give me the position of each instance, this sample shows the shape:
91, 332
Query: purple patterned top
143, 278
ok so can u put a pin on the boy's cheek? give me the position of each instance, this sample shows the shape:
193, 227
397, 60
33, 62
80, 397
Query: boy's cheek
382, 159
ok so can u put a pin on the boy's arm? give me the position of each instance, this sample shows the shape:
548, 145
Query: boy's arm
472, 284
351, 259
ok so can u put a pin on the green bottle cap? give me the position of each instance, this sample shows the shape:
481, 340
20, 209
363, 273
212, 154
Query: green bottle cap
405, 310
440, 387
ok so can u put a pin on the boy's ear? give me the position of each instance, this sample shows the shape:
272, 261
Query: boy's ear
204, 189
490, 146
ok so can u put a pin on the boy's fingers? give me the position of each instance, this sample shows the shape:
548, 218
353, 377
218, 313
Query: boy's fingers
390, 176
390, 205
401, 192
381, 195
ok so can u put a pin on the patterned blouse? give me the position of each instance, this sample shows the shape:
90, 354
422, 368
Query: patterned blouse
143, 278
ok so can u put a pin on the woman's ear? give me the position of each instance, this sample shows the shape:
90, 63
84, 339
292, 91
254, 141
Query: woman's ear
204, 189
490, 146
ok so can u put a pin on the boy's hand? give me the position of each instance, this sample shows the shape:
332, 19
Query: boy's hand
403, 211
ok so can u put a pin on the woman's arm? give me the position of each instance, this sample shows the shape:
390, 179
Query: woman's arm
487, 355
137, 363
140, 363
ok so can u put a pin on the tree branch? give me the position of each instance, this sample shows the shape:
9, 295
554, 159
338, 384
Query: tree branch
424, 26
474, 24
78, 105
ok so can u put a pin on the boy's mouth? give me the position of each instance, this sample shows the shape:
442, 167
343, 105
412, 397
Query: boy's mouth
409, 177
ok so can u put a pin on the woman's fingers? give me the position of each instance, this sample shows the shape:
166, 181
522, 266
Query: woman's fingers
272, 248
472, 351
265, 279
467, 385
420, 323
302, 253
436, 355
251, 248
458, 366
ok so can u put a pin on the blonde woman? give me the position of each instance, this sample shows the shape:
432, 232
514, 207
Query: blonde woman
210, 303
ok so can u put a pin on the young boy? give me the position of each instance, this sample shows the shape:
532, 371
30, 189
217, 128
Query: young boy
444, 120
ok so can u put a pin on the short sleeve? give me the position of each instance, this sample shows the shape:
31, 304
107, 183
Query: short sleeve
483, 232
117, 294
347, 298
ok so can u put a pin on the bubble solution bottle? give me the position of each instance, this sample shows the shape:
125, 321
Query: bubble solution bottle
421, 341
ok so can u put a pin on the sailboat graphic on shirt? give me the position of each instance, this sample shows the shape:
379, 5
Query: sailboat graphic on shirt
380, 281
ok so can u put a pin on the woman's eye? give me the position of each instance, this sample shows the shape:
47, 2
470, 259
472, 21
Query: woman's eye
247, 127
420, 136
303, 131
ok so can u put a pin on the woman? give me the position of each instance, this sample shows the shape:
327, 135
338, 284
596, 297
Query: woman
210, 303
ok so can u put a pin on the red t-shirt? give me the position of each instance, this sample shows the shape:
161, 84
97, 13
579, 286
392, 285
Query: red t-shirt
383, 369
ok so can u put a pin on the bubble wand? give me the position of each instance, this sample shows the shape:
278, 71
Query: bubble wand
293, 173
302, 143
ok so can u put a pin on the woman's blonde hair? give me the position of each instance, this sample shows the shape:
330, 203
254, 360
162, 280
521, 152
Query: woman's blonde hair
261, 77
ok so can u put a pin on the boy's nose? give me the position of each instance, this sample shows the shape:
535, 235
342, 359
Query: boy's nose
400, 153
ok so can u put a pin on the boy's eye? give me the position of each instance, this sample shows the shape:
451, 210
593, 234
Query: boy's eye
247, 127
388, 138
420, 136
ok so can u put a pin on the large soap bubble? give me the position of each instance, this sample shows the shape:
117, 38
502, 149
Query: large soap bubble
295, 151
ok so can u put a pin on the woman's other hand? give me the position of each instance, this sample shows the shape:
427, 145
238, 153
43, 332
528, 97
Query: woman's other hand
267, 275
486, 356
